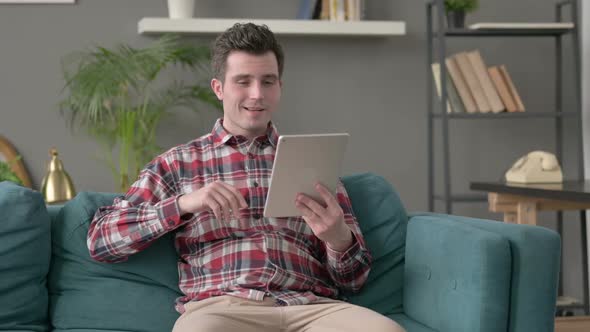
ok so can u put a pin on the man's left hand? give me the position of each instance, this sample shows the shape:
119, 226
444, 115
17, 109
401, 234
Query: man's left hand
326, 222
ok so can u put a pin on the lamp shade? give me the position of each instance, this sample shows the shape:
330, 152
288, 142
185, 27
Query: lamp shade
57, 186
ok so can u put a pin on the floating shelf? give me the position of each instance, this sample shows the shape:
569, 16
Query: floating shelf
159, 25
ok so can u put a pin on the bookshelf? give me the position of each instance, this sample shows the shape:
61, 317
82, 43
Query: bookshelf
159, 25
439, 33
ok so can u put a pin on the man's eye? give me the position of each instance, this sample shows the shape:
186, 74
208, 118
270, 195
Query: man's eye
269, 82
242, 82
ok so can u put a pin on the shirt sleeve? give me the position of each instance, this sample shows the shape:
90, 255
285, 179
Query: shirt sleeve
146, 212
349, 269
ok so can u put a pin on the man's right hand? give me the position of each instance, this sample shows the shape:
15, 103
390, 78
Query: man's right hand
221, 198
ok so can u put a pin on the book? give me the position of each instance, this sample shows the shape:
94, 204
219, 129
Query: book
512, 88
454, 103
351, 10
473, 83
340, 10
354, 10
502, 88
325, 12
306, 9
489, 90
337, 10
437, 83
461, 86
317, 10
514, 25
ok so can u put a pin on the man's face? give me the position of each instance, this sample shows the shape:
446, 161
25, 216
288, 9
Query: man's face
250, 93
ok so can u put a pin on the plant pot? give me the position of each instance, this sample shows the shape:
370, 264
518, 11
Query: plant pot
456, 19
181, 8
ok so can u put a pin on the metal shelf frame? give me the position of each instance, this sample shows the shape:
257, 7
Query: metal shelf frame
439, 34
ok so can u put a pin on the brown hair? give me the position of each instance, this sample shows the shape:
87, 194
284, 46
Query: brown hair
248, 37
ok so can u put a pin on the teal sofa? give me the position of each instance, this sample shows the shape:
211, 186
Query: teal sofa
431, 272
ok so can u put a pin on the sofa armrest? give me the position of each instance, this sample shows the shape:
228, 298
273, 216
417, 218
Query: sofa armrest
457, 277
480, 275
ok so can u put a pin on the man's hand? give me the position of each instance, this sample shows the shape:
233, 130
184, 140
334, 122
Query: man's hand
326, 222
222, 198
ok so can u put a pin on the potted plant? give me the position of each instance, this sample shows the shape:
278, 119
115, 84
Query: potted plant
455, 11
6, 173
114, 96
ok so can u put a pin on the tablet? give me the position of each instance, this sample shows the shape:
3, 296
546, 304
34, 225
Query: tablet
300, 162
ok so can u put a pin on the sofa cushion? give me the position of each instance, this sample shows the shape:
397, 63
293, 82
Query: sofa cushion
25, 243
409, 324
136, 295
383, 221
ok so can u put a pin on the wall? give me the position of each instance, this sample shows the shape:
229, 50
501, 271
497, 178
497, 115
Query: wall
372, 88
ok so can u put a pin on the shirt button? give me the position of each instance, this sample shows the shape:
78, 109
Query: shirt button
250, 155
255, 184
257, 216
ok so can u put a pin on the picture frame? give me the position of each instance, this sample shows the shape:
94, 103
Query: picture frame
8, 153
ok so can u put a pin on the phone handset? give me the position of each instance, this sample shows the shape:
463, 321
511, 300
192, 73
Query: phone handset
548, 160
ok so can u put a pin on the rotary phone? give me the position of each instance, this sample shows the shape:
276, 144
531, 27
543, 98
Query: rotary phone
535, 167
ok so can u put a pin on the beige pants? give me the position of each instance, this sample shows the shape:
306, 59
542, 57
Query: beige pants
229, 314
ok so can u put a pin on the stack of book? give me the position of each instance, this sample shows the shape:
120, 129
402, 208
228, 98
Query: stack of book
473, 87
332, 10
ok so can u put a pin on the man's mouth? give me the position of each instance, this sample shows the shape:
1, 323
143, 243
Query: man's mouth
253, 109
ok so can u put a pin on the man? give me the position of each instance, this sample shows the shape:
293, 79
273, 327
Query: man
239, 271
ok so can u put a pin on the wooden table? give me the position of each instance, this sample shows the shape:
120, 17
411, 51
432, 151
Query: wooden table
520, 203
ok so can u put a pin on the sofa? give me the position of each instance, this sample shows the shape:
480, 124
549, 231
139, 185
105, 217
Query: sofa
431, 272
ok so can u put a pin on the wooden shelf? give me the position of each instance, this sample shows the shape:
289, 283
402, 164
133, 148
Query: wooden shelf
159, 25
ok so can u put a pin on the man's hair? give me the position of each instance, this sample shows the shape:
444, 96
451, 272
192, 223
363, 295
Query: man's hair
247, 37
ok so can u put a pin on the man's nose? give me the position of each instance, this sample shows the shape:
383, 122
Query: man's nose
256, 91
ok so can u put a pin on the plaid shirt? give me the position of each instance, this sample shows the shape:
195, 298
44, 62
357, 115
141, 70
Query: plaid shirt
250, 257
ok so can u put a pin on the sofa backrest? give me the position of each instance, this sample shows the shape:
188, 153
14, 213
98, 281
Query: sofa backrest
383, 221
24, 259
89, 295
136, 295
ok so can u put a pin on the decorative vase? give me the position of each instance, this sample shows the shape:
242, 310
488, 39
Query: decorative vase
181, 8
456, 19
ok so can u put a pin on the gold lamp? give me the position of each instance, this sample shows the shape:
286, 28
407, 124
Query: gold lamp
57, 186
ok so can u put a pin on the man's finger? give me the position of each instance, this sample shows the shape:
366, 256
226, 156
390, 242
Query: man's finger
306, 213
214, 206
328, 197
223, 205
242, 201
311, 204
232, 199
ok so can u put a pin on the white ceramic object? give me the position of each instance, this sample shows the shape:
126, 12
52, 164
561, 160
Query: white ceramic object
181, 8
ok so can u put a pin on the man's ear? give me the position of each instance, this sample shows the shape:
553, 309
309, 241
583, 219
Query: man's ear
217, 87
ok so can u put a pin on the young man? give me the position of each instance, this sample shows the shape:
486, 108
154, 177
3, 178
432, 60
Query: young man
239, 271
